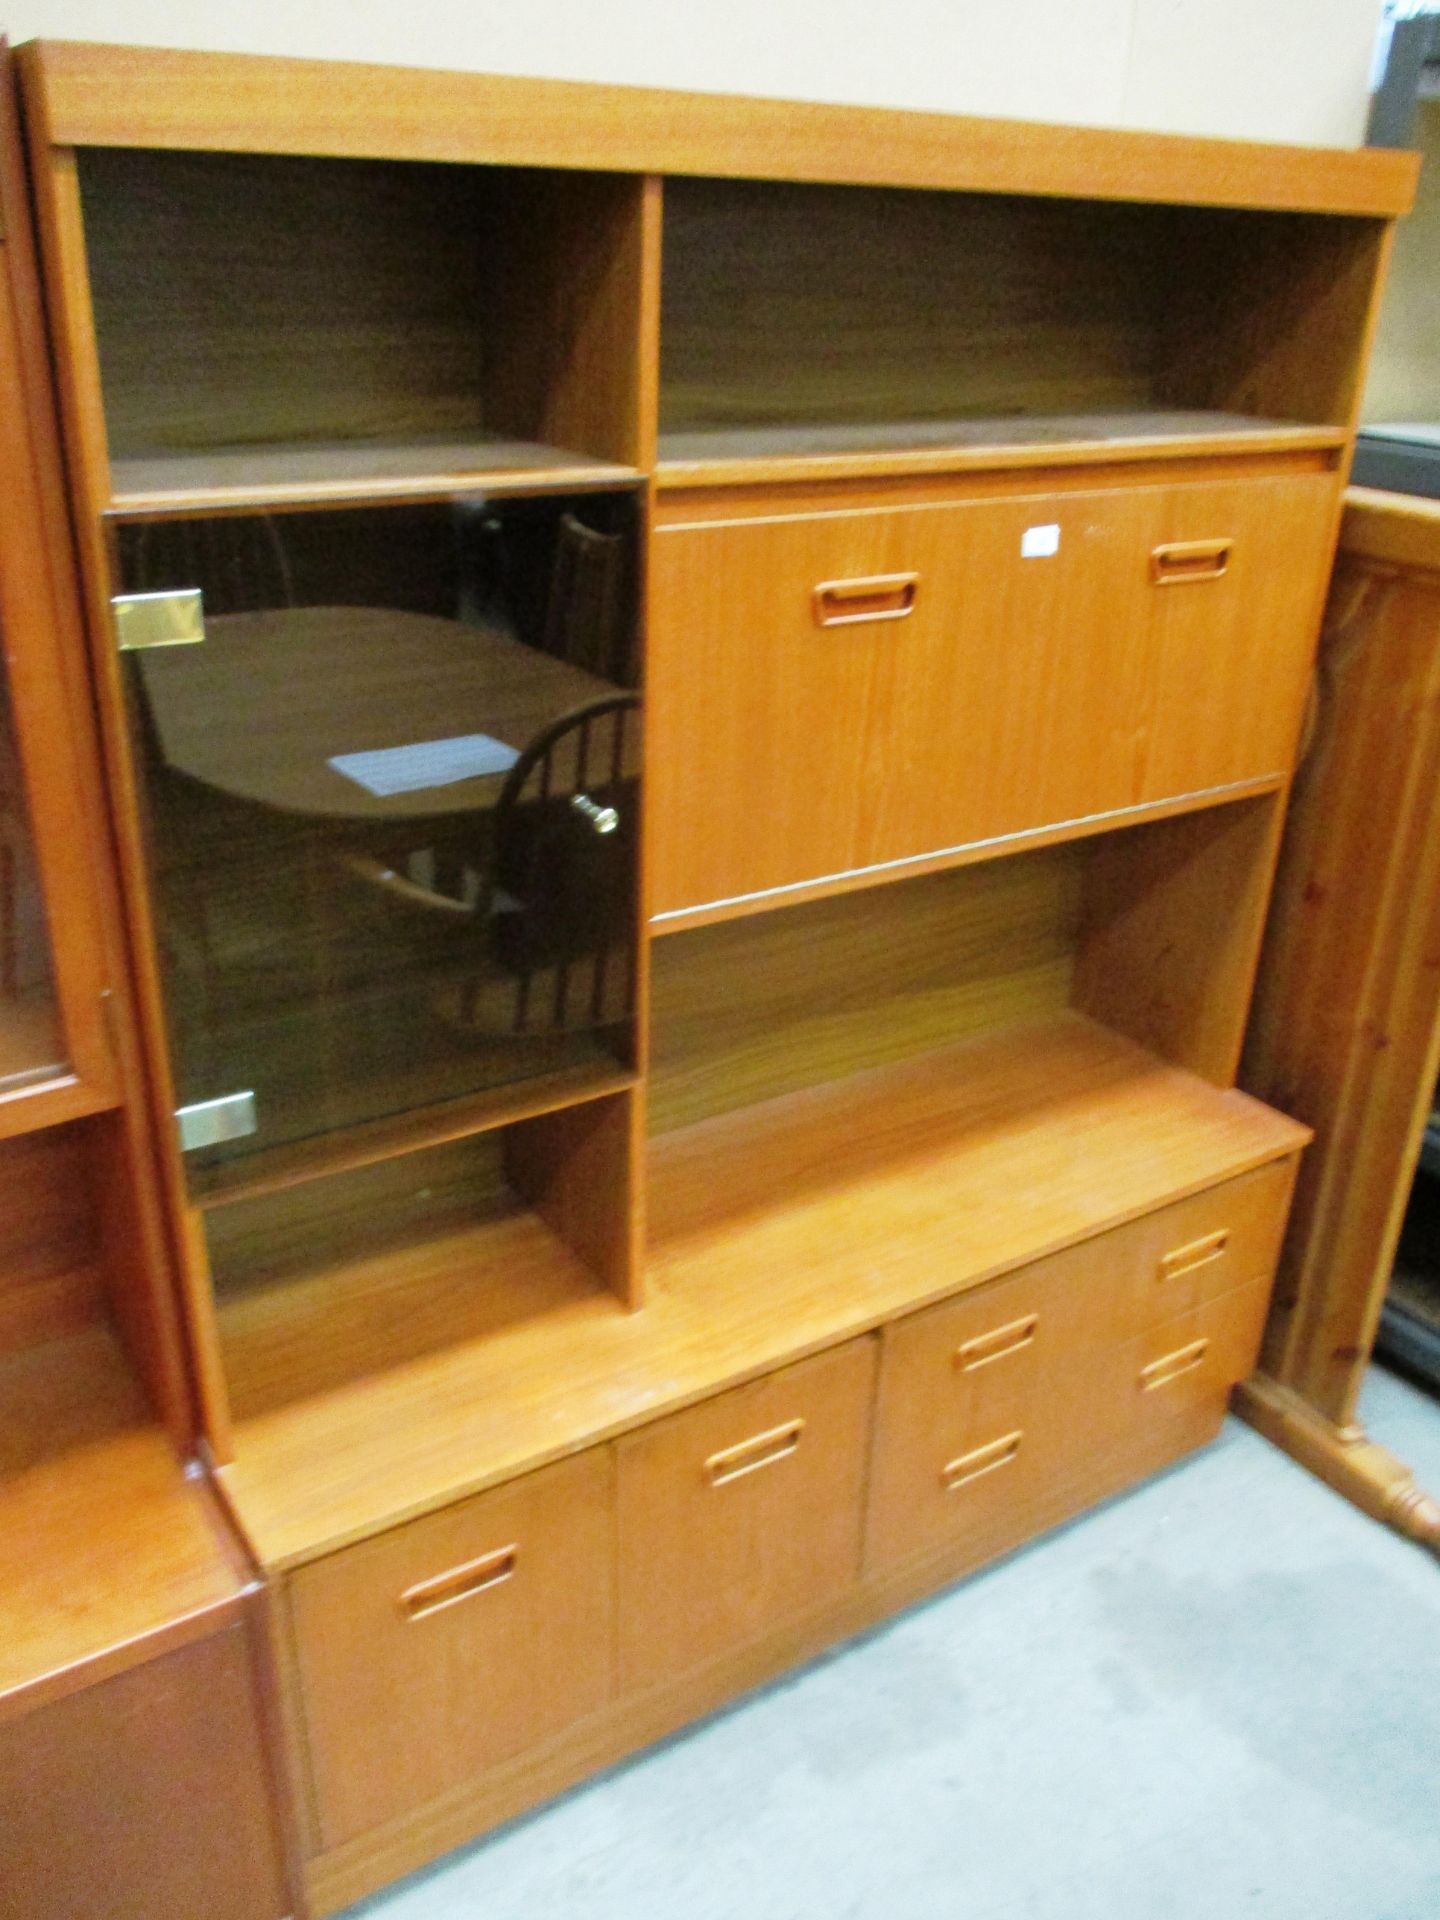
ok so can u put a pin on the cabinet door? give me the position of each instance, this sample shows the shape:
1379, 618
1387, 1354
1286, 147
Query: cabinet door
438, 1649
1236, 571
740, 1513
834, 691
144, 1796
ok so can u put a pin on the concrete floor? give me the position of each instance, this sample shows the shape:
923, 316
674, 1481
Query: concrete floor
1218, 1696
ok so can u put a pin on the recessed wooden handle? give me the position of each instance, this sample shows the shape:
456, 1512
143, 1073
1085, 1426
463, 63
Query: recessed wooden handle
1012, 1338
1179, 561
1195, 1253
882, 596
761, 1450
1171, 1366
460, 1583
980, 1460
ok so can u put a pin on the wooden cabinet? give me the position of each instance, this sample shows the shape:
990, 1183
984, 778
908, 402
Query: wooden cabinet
546, 1208
741, 1513
434, 1651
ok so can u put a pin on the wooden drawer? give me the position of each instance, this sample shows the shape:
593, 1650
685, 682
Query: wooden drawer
438, 1649
981, 1402
740, 1513
1177, 1259
1170, 1386
878, 684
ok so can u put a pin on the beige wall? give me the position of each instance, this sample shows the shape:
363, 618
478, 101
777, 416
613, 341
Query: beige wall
1262, 69
1405, 365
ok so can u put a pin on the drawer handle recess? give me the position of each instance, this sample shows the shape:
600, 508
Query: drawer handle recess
1171, 1366
1178, 562
761, 1450
985, 1347
1195, 1253
981, 1460
881, 596
460, 1583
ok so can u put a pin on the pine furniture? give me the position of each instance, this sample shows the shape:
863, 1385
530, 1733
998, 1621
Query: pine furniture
888, 1198
1346, 1026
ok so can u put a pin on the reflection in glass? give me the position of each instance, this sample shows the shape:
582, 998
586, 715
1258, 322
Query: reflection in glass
30, 1041
391, 802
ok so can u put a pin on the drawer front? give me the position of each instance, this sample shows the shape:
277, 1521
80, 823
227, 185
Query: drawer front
1170, 1386
1177, 1259
438, 1649
831, 691
1236, 574
983, 1401
740, 1513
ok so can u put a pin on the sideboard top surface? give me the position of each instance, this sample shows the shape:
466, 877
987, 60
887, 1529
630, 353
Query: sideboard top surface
94, 95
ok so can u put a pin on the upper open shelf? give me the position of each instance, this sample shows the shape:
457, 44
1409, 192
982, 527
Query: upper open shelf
810, 330
279, 331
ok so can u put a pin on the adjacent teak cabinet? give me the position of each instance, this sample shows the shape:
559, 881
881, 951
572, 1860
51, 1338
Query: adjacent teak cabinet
698, 697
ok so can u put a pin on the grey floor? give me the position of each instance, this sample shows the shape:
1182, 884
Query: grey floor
1217, 1696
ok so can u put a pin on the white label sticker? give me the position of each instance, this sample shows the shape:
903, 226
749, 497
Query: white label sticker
1038, 543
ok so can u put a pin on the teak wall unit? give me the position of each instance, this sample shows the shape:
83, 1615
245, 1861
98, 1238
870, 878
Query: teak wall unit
967, 492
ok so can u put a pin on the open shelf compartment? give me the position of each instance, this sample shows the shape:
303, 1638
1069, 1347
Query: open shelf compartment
426, 330
971, 329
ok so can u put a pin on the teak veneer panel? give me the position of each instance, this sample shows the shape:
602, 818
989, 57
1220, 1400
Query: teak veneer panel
107, 1551
777, 1231
87, 95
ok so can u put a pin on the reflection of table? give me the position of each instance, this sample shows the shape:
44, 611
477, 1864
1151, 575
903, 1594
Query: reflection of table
263, 703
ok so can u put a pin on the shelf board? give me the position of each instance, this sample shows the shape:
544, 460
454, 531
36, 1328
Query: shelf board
349, 473
88, 1486
777, 1231
739, 456
269, 1169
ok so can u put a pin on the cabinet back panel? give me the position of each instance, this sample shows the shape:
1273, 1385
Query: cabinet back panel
242, 299
749, 1009
814, 303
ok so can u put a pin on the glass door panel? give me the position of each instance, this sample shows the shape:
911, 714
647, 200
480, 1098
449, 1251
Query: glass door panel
391, 805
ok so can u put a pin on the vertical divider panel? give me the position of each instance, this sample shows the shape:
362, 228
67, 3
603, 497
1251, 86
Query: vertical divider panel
568, 358
1170, 930
579, 1168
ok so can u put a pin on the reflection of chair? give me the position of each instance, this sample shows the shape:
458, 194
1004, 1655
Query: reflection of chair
585, 613
565, 843
560, 889
238, 562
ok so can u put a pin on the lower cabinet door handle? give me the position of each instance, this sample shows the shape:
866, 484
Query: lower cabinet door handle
761, 1450
1171, 1366
460, 1583
980, 1460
